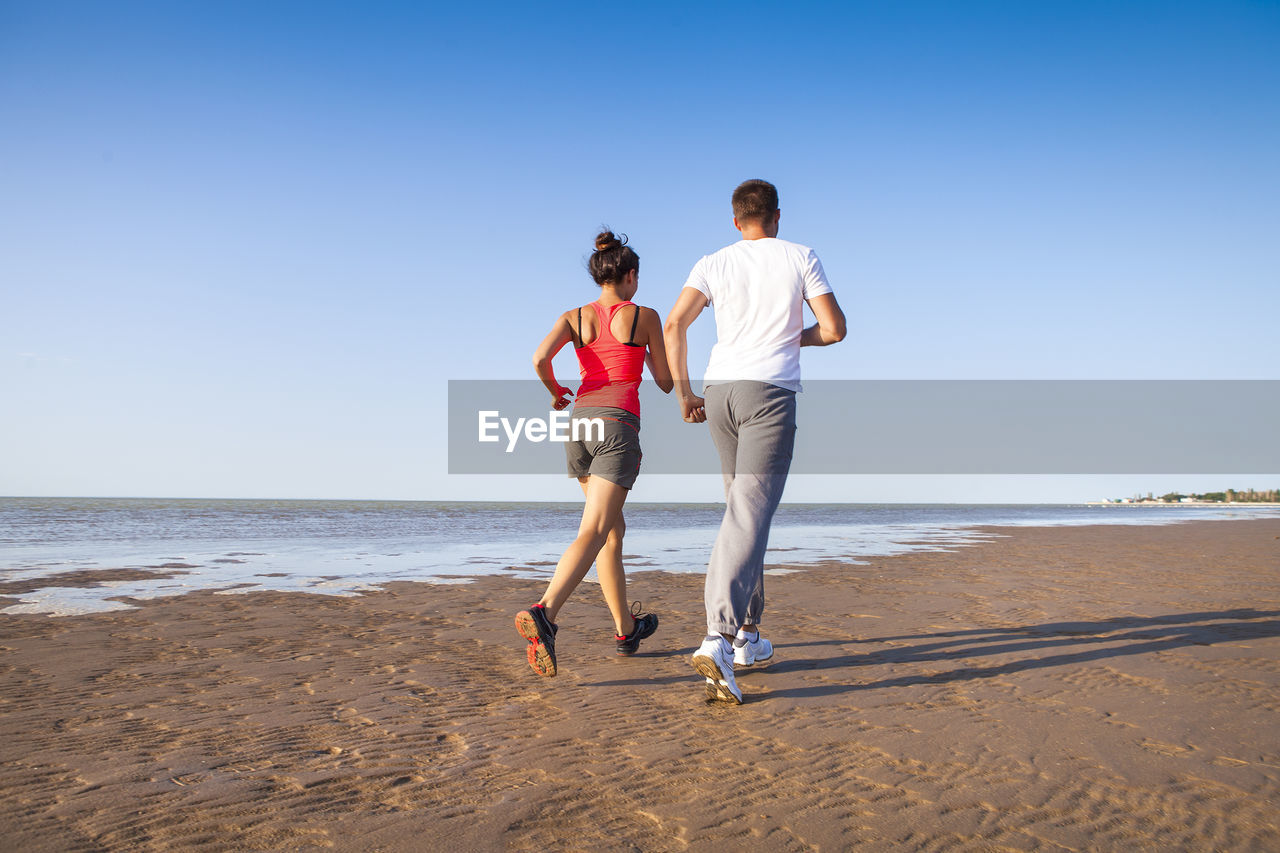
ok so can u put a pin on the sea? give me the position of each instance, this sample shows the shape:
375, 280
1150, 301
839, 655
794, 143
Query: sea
350, 547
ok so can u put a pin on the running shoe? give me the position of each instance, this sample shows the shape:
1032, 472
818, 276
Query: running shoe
714, 660
747, 651
646, 624
535, 627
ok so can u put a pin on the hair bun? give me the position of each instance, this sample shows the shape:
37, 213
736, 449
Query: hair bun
607, 240
612, 259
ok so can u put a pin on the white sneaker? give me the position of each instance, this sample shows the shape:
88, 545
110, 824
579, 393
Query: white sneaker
747, 651
714, 659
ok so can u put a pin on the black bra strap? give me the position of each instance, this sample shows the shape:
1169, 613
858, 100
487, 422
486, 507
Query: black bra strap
635, 319
580, 344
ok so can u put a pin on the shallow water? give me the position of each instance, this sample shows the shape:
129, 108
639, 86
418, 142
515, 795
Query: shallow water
347, 547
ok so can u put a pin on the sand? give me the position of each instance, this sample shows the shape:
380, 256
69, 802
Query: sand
1071, 688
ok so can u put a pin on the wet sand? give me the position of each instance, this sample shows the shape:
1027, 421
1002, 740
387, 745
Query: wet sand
1105, 687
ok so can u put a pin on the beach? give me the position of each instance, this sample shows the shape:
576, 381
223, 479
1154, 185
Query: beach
1054, 688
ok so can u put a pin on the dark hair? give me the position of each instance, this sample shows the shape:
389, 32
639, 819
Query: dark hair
755, 201
612, 259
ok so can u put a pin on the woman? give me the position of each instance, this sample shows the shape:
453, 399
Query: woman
613, 338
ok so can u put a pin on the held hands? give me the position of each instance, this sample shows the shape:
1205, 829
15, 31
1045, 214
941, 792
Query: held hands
693, 409
561, 398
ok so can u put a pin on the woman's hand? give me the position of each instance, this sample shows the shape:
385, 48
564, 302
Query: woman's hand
561, 398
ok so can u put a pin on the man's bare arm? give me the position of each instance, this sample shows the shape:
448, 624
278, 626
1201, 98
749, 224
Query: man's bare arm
676, 334
830, 326
656, 354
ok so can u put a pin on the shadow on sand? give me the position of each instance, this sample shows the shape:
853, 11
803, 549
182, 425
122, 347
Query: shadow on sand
1038, 647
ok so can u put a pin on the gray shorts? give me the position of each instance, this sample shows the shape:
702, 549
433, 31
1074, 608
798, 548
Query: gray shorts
615, 456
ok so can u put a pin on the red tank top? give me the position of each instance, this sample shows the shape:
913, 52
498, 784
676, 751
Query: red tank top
610, 368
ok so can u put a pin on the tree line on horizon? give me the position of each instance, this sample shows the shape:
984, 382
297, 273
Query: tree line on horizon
1228, 496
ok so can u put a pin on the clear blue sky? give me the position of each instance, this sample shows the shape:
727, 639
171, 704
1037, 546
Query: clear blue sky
243, 246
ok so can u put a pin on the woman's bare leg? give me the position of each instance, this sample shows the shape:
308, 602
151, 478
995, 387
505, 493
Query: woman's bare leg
613, 579
601, 513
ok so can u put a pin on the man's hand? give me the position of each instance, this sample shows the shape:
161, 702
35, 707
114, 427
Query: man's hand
693, 409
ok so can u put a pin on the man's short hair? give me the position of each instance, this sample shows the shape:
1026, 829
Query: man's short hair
755, 201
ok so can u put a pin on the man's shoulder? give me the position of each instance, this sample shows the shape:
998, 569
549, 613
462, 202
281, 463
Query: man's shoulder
793, 248
725, 252
769, 244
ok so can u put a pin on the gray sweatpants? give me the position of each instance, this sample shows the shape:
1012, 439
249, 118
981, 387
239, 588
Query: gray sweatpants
753, 425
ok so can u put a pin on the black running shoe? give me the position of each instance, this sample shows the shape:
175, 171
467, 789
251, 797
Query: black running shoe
535, 627
646, 624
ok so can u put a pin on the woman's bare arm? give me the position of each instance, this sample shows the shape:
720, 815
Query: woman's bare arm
561, 333
656, 356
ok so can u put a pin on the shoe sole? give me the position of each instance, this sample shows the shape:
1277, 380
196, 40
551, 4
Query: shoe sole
717, 689
541, 660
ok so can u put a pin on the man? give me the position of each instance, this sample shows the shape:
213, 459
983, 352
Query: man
758, 288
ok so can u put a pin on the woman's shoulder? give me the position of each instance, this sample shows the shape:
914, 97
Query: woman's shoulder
644, 313
572, 313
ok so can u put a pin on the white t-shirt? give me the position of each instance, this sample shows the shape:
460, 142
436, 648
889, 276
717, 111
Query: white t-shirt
757, 289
